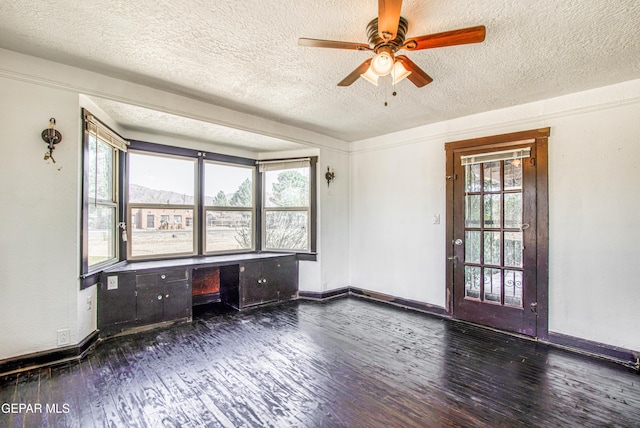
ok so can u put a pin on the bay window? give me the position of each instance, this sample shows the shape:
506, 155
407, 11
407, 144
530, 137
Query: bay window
182, 202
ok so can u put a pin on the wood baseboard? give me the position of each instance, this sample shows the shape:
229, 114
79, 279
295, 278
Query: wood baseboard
624, 356
399, 301
11, 366
326, 295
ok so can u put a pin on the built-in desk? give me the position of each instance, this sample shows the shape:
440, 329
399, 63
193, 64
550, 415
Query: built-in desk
136, 294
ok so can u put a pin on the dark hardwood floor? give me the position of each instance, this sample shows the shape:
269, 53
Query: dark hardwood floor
344, 363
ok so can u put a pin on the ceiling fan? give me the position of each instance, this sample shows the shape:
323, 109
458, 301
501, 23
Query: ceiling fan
386, 37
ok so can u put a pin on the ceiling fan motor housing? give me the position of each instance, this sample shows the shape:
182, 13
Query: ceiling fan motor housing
376, 41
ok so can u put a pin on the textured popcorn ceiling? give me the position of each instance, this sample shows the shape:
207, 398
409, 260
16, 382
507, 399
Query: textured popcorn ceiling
243, 55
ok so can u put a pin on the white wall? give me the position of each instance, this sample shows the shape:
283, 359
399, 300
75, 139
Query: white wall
333, 223
395, 247
594, 200
39, 255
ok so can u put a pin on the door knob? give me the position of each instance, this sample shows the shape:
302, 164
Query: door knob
160, 297
457, 242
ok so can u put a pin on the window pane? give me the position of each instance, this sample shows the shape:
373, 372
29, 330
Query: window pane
492, 248
226, 185
153, 234
492, 285
472, 178
513, 249
286, 230
472, 247
101, 234
161, 180
513, 288
100, 170
492, 182
472, 282
472, 211
512, 210
492, 211
287, 188
513, 174
229, 230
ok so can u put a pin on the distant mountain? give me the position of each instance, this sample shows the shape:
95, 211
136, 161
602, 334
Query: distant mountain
144, 195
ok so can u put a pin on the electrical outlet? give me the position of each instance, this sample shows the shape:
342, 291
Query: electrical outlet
88, 303
112, 282
63, 337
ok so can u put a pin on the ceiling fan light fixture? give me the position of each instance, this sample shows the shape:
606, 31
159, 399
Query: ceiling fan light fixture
370, 76
382, 63
399, 72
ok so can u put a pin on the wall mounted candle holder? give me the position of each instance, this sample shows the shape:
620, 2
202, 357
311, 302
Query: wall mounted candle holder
329, 176
51, 136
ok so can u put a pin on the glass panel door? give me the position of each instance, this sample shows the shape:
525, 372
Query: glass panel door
494, 265
493, 223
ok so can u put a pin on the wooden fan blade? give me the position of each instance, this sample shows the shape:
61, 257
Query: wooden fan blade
417, 76
388, 18
355, 74
317, 43
448, 38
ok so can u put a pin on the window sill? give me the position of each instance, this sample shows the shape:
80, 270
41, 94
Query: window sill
313, 257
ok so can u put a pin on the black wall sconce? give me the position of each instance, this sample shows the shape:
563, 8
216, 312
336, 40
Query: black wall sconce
329, 176
52, 137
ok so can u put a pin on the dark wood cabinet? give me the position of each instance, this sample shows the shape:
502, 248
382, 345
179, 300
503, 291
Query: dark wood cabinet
137, 294
163, 296
133, 299
267, 281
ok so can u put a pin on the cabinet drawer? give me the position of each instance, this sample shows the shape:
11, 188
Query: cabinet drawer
162, 277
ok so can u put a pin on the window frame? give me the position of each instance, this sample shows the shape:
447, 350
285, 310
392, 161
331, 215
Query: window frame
93, 127
130, 207
252, 208
293, 209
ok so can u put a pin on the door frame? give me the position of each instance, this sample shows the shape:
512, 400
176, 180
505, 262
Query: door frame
541, 140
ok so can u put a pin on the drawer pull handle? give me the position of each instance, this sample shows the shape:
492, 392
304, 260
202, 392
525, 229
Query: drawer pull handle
166, 296
160, 297
163, 276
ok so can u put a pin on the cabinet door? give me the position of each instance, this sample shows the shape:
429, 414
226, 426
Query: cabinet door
274, 276
285, 275
116, 300
150, 303
251, 288
177, 300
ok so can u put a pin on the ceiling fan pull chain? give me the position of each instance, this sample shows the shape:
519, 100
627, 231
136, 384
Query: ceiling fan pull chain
386, 92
